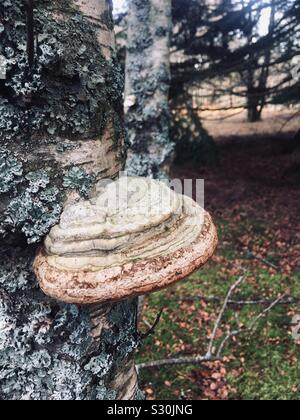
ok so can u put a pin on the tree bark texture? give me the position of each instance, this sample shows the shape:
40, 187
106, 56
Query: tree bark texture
61, 131
147, 87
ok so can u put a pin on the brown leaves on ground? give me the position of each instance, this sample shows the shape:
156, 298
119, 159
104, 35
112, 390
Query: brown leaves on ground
258, 187
211, 380
257, 199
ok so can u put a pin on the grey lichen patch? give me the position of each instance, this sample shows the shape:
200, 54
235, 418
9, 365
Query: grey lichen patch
70, 94
31, 329
11, 171
46, 348
15, 270
102, 393
78, 179
146, 97
99, 365
34, 209
145, 38
67, 50
139, 396
123, 335
63, 147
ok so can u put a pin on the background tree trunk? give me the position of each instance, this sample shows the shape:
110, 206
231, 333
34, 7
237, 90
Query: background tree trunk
265, 71
61, 131
257, 92
147, 87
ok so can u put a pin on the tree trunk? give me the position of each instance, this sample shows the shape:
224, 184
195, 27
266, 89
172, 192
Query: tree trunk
147, 87
61, 131
257, 93
265, 71
254, 113
252, 96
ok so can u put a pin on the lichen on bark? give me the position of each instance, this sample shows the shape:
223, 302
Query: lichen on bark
147, 88
60, 119
46, 349
67, 88
72, 93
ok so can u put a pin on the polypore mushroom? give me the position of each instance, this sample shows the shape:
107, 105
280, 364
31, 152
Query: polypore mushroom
137, 236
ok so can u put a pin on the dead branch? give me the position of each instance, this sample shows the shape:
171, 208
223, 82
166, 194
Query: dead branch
249, 329
220, 317
215, 355
232, 302
264, 261
197, 359
176, 361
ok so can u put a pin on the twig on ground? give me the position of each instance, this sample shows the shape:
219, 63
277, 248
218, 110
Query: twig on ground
249, 329
263, 260
211, 354
220, 317
287, 301
147, 323
196, 359
176, 361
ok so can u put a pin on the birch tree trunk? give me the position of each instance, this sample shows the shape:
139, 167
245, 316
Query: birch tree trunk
147, 87
61, 130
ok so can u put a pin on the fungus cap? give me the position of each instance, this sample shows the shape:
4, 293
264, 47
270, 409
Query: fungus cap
135, 237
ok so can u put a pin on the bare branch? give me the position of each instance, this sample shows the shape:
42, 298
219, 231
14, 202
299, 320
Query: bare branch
177, 361
220, 317
263, 260
265, 312
287, 301
210, 356
251, 327
197, 359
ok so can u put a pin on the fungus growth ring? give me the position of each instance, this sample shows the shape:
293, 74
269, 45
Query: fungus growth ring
135, 236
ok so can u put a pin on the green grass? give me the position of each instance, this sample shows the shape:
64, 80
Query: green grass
262, 366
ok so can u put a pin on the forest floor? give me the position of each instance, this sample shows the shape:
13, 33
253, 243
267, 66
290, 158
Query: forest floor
276, 120
254, 197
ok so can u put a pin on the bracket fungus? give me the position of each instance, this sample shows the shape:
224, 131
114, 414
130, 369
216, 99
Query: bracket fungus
134, 237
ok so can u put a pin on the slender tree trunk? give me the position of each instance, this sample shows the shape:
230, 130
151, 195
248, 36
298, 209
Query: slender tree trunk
60, 132
147, 87
265, 71
254, 114
257, 92
253, 96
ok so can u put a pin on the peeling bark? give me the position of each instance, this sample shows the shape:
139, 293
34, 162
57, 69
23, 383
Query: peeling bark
147, 87
61, 131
